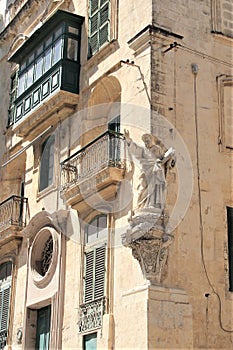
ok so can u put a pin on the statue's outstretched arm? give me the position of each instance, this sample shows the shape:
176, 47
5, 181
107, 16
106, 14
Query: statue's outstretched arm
135, 149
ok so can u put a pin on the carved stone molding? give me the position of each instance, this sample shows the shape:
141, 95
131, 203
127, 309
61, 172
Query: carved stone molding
149, 242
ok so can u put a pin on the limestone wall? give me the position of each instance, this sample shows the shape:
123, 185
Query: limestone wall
181, 85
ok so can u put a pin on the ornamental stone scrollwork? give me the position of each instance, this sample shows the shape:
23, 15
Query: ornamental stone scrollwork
147, 235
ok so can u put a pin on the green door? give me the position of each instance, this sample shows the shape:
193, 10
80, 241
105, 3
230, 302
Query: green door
90, 341
43, 328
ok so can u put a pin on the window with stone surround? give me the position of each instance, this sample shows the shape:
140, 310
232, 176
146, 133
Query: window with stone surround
94, 274
230, 246
5, 291
47, 163
99, 24
222, 17
95, 252
102, 25
225, 91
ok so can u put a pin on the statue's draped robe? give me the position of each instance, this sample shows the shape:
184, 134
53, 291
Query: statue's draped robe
153, 183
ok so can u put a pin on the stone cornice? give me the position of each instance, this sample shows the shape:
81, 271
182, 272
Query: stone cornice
142, 39
155, 29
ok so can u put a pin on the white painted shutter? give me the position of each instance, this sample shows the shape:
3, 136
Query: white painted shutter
94, 274
89, 276
99, 272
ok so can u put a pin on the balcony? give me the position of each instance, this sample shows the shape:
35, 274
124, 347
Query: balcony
13, 213
92, 174
91, 315
45, 89
43, 106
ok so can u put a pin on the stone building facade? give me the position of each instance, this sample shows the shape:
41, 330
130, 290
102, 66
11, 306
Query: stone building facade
116, 213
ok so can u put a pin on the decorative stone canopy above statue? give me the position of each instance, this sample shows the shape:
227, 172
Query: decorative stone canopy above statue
147, 235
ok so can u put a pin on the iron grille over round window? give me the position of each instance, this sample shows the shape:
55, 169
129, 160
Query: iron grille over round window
47, 255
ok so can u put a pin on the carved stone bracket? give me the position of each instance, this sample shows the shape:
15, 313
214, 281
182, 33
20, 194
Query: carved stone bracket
149, 242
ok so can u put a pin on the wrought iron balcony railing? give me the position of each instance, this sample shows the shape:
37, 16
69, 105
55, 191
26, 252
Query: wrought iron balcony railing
13, 211
91, 315
108, 150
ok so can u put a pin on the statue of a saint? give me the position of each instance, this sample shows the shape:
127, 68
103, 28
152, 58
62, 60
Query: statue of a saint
155, 159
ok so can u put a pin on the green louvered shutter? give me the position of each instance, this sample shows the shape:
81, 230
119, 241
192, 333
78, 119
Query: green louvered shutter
13, 95
94, 274
99, 24
230, 245
4, 313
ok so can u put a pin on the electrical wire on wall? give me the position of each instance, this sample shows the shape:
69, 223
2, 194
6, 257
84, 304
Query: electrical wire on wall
172, 46
195, 72
176, 45
132, 64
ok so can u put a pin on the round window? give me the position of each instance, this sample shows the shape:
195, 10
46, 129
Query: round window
43, 256
46, 256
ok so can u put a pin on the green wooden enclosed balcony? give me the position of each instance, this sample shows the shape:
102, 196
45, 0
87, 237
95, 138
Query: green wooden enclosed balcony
46, 86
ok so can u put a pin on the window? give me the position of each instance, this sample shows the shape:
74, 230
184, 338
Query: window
47, 163
40, 61
94, 275
5, 288
114, 142
115, 124
13, 94
230, 245
99, 24
228, 114
90, 341
43, 328
93, 307
222, 17
97, 228
225, 92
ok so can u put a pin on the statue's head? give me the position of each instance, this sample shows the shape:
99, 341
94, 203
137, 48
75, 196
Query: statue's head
152, 140
148, 139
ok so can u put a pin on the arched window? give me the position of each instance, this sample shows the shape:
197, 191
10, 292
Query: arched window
5, 288
96, 229
47, 163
